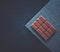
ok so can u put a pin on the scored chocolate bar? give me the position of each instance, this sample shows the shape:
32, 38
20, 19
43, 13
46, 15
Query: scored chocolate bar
43, 28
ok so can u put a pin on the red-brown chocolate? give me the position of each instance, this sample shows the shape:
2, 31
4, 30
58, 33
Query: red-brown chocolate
43, 28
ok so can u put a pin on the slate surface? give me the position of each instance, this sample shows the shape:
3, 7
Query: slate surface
14, 36
52, 13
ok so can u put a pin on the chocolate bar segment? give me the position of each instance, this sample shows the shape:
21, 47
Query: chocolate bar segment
42, 29
39, 21
42, 19
34, 27
47, 24
36, 23
42, 34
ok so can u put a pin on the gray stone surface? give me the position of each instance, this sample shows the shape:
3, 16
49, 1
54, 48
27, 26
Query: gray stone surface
51, 11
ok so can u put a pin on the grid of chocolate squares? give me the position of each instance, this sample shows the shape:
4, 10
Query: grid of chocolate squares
43, 28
